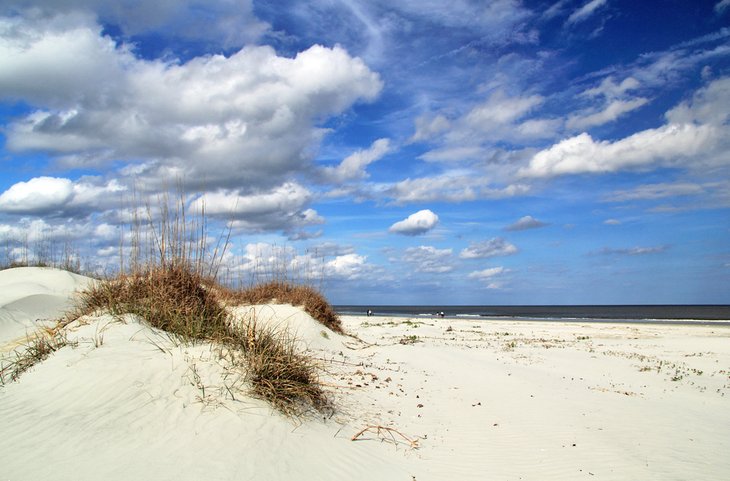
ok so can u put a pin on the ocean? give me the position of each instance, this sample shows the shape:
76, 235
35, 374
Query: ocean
644, 314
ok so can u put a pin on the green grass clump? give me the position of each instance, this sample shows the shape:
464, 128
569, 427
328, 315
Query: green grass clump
283, 292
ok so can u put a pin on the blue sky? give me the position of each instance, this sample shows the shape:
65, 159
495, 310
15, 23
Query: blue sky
399, 152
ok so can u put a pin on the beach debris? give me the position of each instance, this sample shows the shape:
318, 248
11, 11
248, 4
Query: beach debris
388, 435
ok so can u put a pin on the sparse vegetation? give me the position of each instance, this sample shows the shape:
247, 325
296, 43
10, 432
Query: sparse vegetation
284, 292
173, 288
36, 349
412, 339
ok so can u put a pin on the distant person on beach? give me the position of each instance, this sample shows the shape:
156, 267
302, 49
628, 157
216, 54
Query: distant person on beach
370, 313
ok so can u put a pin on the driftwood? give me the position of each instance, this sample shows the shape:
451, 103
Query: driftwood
389, 435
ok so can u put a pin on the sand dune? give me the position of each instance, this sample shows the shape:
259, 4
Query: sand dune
32, 296
445, 399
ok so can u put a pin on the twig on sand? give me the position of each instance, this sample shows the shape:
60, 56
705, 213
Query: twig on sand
387, 434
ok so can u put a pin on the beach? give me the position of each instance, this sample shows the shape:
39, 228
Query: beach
413, 399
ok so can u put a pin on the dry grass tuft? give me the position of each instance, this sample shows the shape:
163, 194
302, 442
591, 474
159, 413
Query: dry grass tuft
176, 299
36, 349
277, 371
173, 298
307, 297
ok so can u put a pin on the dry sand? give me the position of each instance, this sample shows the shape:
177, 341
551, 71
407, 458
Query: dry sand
461, 400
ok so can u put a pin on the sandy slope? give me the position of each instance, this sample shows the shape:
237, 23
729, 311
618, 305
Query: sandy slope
498, 400
30, 296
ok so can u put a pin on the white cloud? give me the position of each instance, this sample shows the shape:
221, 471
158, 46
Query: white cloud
454, 186
353, 167
416, 224
283, 207
609, 89
656, 191
633, 251
227, 23
709, 105
348, 266
490, 248
721, 6
611, 111
429, 259
612, 222
263, 261
667, 146
60, 196
428, 127
586, 11
248, 119
41, 195
501, 109
490, 276
471, 137
525, 223
696, 136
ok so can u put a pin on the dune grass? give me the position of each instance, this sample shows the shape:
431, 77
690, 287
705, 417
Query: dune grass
177, 299
173, 288
36, 349
311, 300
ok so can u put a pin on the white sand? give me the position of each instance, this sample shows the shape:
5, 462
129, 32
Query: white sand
498, 400
31, 296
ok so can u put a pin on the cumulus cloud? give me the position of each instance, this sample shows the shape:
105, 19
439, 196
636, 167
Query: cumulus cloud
353, 167
348, 267
41, 195
416, 224
709, 105
283, 207
586, 11
525, 223
262, 261
250, 118
695, 136
668, 146
490, 276
59, 196
429, 259
489, 248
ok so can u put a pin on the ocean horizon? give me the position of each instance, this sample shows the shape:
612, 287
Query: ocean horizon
673, 314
